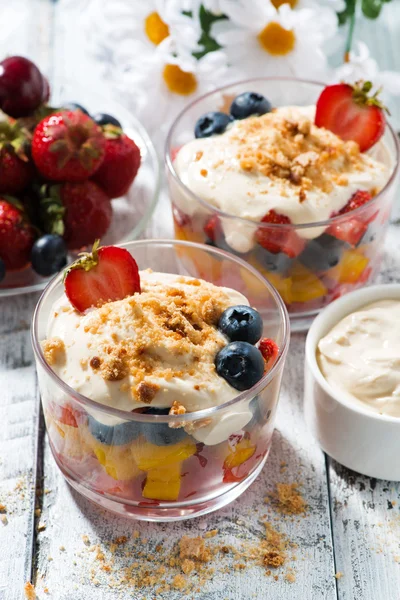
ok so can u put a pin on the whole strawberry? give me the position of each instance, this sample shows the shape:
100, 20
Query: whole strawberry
68, 146
120, 165
16, 234
15, 170
80, 212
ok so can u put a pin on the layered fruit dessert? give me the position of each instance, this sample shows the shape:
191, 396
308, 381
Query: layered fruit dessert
290, 189
148, 351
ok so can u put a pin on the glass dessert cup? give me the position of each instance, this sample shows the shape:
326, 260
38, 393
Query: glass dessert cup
336, 256
136, 464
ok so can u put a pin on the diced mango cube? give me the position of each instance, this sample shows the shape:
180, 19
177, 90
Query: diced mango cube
117, 461
163, 483
282, 284
239, 454
306, 285
350, 268
149, 456
160, 490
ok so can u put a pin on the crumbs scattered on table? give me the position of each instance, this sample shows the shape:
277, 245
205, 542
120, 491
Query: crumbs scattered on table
339, 575
287, 499
29, 591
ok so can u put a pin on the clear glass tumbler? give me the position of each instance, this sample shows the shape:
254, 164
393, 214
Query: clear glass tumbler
323, 269
136, 464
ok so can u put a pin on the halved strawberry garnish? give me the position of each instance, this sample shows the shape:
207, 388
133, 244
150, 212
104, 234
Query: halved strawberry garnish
106, 274
352, 230
351, 113
279, 239
269, 350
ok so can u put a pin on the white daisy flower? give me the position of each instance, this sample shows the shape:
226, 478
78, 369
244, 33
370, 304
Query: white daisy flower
148, 22
362, 66
166, 80
260, 39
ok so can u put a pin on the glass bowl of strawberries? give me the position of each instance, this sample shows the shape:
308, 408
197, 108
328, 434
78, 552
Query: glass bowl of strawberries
70, 173
296, 178
160, 402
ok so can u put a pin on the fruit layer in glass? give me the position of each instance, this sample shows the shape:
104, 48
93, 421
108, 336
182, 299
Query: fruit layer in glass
140, 466
323, 260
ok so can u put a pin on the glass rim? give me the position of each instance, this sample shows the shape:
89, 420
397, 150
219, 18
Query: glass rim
190, 416
338, 218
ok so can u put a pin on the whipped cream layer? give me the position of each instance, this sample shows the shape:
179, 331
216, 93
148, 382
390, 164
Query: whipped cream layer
361, 356
280, 161
150, 349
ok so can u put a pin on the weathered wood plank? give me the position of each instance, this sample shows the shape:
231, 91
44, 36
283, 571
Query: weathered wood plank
18, 433
27, 32
366, 525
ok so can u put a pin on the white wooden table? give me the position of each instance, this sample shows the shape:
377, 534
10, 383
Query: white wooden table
352, 525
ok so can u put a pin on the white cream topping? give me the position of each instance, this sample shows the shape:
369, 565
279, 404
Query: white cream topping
361, 356
210, 168
196, 391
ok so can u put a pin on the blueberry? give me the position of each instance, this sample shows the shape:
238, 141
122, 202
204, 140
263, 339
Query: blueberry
241, 323
211, 123
161, 434
113, 435
240, 364
323, 253
105, 119
2, 270
49, 255
275, 263
75, 106
249, 103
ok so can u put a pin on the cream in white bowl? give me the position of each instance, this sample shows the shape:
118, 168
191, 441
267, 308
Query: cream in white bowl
356, 424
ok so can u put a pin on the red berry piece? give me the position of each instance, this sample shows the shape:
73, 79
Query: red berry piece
352, 113
269, 350
67, 146
80, 212
120, 165
21, 86
213, 229
16, 234
279, 239
352, 229
15, 170
106, 274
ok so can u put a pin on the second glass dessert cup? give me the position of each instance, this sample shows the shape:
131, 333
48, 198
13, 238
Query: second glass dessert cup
325, 259
152, 467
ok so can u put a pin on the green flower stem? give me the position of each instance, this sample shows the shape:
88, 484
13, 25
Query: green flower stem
350, 32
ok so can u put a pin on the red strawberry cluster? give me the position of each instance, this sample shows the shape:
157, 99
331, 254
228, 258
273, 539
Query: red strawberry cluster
59, 170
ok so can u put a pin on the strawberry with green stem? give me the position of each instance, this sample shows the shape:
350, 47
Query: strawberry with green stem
353, 112
67, 146
16, 234
16, 171
80, 212
121, 162
105, 274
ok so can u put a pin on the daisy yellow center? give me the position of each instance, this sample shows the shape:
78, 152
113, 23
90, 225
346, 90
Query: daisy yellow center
178, 81
276, 40
155, 28
278, 3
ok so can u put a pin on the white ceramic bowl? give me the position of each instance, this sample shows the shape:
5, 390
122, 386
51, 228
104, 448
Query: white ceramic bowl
356, 437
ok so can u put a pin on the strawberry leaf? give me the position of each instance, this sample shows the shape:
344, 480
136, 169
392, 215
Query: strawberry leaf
52, 209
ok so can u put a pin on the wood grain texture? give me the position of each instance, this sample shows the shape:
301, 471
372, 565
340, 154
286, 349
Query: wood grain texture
18, 434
